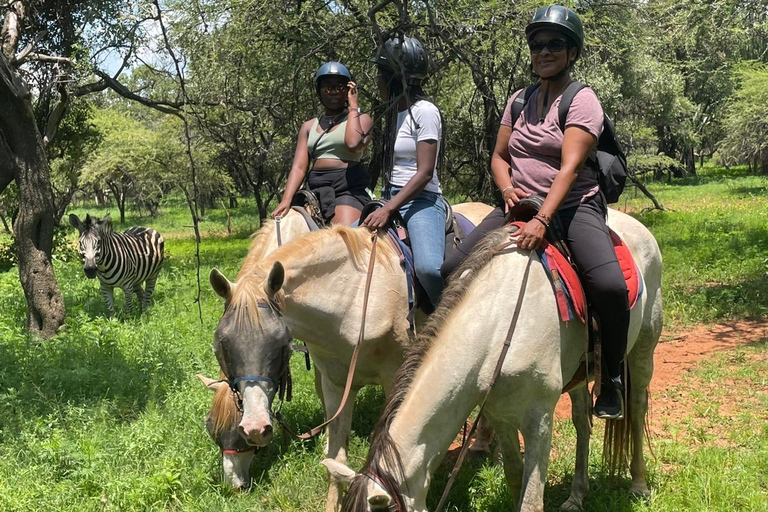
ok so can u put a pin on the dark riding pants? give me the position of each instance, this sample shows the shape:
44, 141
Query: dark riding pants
590, 243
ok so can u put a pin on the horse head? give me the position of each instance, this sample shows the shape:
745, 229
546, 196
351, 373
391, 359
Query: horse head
253, 346
373, 490
222, 422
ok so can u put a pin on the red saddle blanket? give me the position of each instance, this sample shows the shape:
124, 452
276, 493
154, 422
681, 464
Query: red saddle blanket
571, 301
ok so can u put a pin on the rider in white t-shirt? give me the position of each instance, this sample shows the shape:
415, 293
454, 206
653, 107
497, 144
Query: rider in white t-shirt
412, 140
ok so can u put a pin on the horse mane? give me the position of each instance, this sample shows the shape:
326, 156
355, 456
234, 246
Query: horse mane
249, 290
383, 456
258, 246
224, 414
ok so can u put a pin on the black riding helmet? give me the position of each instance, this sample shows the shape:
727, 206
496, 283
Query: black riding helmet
560, 19
331, 69
407, 59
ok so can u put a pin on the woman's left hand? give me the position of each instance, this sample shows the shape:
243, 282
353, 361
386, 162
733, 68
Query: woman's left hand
352, 95
531, 235
377, 219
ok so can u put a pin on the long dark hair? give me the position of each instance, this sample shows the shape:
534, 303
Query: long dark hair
397, 88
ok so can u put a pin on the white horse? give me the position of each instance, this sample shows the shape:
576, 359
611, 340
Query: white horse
315, 285
450, 370
223, 418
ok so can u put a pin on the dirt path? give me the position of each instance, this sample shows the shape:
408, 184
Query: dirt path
675, 356
678, 353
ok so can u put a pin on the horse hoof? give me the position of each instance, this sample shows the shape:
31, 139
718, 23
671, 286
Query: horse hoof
572, 505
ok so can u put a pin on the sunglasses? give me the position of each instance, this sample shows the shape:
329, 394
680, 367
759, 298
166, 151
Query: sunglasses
330, 89
553, 45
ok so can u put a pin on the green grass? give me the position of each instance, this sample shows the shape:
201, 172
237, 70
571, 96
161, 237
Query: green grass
108, 415
714, 241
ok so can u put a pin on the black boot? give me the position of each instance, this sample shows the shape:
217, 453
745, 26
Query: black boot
610, 404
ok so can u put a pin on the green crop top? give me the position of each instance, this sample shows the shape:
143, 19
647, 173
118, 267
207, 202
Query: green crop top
331, 144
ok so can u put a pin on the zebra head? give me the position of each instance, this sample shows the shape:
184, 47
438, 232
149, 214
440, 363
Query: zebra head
92, 230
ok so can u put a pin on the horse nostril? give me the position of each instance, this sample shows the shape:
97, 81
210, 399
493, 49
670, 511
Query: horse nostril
267, 430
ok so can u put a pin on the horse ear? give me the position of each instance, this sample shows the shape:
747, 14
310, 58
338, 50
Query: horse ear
211, 384
339, 471
75, 221
275, 279
220, 284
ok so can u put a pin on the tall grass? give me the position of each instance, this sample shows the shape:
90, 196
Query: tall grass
108, 415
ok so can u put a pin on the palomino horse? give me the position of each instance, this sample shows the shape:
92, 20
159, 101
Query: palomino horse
315, 285
223, 418
450, 370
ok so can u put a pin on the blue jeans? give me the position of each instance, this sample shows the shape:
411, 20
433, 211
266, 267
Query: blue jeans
424, 218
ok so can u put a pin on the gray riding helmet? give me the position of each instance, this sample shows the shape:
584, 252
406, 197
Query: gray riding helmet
560, 19
331, 69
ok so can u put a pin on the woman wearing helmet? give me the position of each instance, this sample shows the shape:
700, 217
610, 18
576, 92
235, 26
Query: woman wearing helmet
330, 147
534, 156
411, 146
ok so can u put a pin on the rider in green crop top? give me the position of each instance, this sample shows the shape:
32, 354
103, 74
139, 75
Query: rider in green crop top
329, 148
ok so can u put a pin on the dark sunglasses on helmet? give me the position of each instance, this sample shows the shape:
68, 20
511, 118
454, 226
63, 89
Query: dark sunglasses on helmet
553, 45
334, 88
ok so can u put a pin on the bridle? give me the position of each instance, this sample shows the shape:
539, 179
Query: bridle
496, 371
398, 505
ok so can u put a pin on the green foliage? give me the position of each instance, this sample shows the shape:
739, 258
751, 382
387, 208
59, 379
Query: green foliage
746, 121
7, 253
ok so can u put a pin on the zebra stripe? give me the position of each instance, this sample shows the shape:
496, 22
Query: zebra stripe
122, 260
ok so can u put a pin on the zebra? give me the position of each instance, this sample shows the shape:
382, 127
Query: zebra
123, 260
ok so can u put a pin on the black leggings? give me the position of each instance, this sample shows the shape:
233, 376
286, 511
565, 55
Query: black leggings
590, 243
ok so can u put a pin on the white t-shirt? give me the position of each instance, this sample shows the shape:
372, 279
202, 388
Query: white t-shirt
427, 117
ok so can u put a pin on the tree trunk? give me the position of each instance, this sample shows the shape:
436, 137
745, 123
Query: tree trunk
23, 154
5, 223
764, 163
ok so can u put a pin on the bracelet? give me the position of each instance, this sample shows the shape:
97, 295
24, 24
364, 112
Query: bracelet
543, 219
507, 188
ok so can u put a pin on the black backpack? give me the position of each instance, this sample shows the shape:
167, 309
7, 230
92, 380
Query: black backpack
608, 159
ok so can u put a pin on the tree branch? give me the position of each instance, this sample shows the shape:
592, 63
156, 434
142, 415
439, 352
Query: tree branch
22, 56
11, 32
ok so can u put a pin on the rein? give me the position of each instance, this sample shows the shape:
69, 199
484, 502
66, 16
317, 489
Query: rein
353, 362
496, 372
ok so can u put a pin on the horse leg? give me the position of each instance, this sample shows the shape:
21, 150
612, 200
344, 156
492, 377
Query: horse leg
537, 435
640, 362
513, 461
337, 437
483, 436
580, 416
319, 386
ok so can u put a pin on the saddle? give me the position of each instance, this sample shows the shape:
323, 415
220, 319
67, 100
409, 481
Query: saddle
457, 226
308, 201
566, 283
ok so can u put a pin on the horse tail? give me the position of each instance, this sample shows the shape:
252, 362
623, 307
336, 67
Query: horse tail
617, 440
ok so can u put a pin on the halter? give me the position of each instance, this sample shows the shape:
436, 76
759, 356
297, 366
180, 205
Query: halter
283, 388
398, 505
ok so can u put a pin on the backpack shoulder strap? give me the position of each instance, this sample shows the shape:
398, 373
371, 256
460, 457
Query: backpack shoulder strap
521, 101
569, 93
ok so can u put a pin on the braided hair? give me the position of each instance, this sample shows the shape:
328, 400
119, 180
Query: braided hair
412, 91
